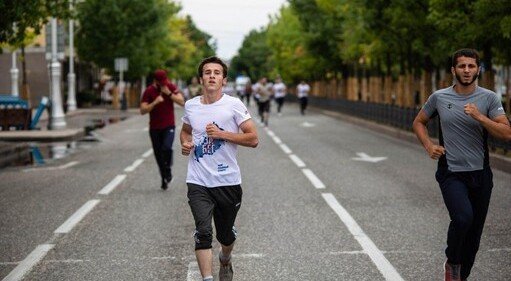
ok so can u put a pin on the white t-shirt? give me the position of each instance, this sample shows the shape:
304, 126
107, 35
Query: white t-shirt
213, 162
279, 89
303, 90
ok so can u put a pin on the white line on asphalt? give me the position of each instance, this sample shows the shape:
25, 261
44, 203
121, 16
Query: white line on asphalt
297, 161
134, 165
30, 261
270, 133
313, 179
77, 216
285, 148
147, 153
112, 185
277, 140
61, 167
384, 266
193, 272
70, 164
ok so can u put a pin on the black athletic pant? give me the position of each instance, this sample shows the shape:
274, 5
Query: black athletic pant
303, 104
162, 140
219, 203
280, 103
467, 197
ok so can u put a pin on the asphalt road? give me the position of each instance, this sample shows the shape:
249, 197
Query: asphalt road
310, 210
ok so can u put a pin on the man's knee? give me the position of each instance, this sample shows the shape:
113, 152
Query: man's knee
203, 239
226, 238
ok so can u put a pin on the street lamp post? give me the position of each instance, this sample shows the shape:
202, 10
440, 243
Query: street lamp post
14, 76
71, 78
58, 120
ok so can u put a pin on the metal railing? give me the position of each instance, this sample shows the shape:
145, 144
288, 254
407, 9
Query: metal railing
392, 115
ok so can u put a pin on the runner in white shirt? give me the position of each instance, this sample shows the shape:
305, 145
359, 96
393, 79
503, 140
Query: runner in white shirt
279, 92
214, 124
303, 90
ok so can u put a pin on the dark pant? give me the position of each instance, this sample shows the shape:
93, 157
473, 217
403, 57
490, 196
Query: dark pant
220, 203
162, 140
467, 197
303, 104
280, 103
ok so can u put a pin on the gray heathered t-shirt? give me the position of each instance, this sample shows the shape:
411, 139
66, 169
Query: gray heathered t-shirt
462, 135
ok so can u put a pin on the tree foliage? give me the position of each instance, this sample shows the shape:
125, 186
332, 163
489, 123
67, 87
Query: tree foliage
20, 18
382, 36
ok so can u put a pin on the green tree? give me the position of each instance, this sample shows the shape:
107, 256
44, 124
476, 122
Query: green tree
135, 29
199, 46
289, 54
28, 16
253, 57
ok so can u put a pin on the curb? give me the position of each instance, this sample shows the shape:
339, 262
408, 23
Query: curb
42, 136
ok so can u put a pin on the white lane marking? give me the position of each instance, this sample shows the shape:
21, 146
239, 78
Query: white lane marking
270, 133
70, 164
112, 185
285, 148
30, 261
277, 140
193, 272
366, 158
147, 153
77, 216
313, 179
307, 124
384, 266
298, 162
61, 167
133, 166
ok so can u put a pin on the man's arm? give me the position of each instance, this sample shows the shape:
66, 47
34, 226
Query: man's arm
247, 137
421, 131
147, 107
186, 139
497, 127
175, 95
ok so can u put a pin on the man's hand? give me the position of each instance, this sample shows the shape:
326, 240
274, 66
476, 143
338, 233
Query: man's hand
471, 109
186, 148
435, 151
159, 99
213, 131
164, 89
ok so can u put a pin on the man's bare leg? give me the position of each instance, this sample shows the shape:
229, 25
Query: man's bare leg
205, 261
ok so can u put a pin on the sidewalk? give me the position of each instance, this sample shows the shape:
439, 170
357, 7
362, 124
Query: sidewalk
76, 122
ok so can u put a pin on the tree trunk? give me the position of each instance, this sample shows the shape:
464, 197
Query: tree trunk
25, 89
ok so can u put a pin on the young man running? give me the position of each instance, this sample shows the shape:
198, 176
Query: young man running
467, 114
214, 124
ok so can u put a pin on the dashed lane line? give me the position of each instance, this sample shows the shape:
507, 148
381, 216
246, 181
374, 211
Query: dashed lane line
384, 266
298, 162
68, 225
112, 185
133, 166
30, 261
147, 153
316, 182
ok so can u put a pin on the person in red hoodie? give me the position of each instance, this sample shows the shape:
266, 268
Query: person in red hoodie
158, 100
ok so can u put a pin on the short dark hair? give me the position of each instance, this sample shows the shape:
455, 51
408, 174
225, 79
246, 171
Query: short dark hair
212, 60
469, 53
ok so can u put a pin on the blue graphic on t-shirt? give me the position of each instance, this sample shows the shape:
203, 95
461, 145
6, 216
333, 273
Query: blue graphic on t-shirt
208, 146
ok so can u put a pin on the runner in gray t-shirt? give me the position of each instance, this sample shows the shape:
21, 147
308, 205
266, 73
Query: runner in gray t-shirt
464, 138
467, 114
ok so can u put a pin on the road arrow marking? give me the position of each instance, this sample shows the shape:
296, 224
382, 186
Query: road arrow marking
307, 124
366, 158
